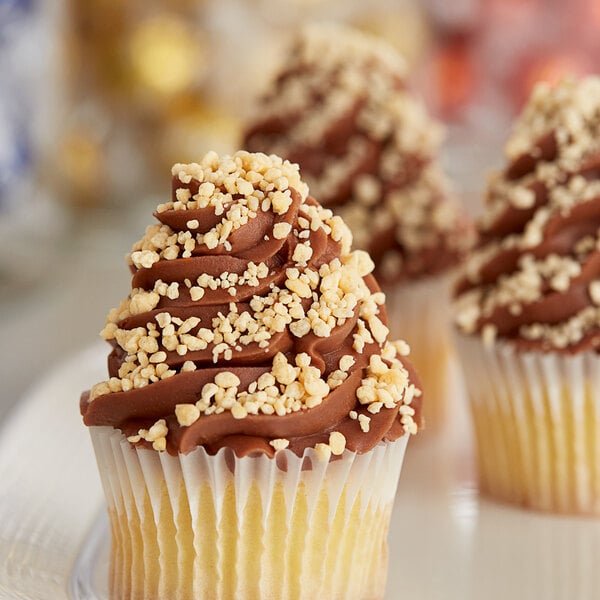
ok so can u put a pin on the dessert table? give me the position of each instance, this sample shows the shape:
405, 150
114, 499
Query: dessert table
446, 542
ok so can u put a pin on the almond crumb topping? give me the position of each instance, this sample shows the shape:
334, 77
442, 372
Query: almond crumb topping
534, 269
279, 444
262, 327
364, 111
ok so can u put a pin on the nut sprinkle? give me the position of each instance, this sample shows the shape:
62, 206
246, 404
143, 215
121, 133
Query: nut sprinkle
249, 309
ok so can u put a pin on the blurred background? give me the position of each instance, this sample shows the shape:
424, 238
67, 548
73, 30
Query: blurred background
99, 97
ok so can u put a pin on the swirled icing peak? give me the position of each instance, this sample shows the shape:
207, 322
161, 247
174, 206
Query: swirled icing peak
251, 324
535, 276
366, 146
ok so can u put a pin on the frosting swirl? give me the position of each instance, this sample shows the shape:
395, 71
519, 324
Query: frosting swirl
251, 324
534, 277
339, 107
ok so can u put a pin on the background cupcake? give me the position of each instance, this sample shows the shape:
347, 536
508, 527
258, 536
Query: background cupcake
528, 308
340, 108
252, 429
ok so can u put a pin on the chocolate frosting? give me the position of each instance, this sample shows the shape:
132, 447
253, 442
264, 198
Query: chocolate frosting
144, 403
339, 108
532, 279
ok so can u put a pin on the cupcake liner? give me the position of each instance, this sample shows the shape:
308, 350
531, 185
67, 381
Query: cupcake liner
537, 425
199, 526
418, 312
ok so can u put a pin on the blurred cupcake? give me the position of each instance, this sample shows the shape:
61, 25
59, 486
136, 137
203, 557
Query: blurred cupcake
528, 307
367, 148
252, 429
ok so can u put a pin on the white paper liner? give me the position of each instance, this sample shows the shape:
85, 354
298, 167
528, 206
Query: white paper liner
537, 425
419, 313
213, 527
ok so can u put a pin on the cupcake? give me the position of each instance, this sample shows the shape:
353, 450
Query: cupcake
368, 150
528, 308
252, 427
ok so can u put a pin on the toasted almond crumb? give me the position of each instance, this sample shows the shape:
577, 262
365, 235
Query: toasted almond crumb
488, 334
156, 434
378, 329
238, 411
281, 230
364, 422
227, 379
375, 407
279, 444
144, 259
594, 291
323, 452
337, 442
346, 362
299, 287
302, 253
187, 414
160, 444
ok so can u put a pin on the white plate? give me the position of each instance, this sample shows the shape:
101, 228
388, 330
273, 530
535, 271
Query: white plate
445, 542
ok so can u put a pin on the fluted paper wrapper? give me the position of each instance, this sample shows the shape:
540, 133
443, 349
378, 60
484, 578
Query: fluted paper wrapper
537, 425
219, 527
418, 312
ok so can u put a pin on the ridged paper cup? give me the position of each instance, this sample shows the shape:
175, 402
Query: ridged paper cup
420, 312
537, 425
220, 527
